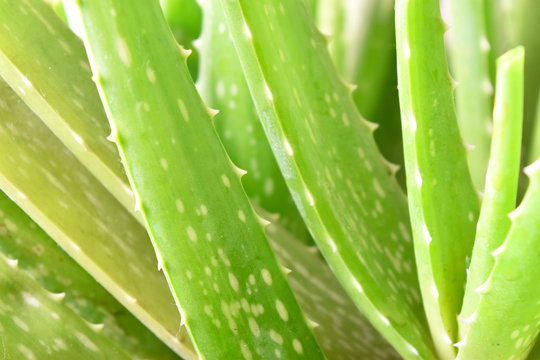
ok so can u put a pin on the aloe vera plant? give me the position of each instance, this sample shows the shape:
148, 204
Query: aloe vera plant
129, 227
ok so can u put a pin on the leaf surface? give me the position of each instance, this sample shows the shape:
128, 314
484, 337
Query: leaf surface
497, 330
44, 178
501, 180
41, 259
45, 64
342, 186
211, 244
442, 200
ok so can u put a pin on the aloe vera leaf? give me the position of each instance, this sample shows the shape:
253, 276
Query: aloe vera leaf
442, 199
343, 332
42, 60
185, 20
501, 180
41, 259
48, 183
223, 86
27, 315
330, 162
216, 260
497, 330
470, 56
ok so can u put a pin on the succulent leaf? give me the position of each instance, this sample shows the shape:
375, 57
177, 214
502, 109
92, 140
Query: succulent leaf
498, 331
40, 258
310, 119
471, 52
343, 332
42, 60
442, 199
223, 86
209, 260
501, 180
48, 183
28, 312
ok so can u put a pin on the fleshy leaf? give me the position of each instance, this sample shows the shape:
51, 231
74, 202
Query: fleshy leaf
41, 259
343, 332
211, 244
496, 330
222, 86
501, 180
474, 93
27, 314
342, 186
51, 186
43, 61
442, 200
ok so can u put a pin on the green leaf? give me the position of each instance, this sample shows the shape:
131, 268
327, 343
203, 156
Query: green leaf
222, 86
470, 64
45, 63
342, 331
52, 187
497, 330
211, 244
340, 182
501, 181
41, 259
27, 314
442, 200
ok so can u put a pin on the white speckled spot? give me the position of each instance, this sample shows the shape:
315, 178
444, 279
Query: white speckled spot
277, 338
26, 352
233, 282
183, 110
297, 346
164, 164
31, 300
282, 311
241, 216
254, 327
191, 234
180, 206
150, 74
267, 277
86, 341
21, 324
225, 180
123, 51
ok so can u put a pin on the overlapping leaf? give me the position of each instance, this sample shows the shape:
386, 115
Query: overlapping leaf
40, 258
211, 244
54, 79
442, 200
339, 181
48, 183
